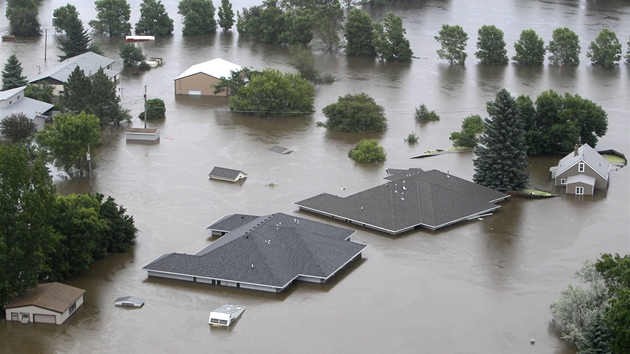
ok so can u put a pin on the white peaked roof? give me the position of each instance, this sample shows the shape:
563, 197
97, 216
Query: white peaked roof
588, 155
216, 68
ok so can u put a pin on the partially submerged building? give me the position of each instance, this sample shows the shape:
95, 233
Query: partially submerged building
47, 303
13, 101
200, 79
227, 174
266, 253
582, 171
411, 199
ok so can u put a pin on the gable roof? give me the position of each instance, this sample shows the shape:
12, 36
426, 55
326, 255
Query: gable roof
225, 173
216, 68
56, 297
30, 107
88, 62
431, 199
231, 222
270, 250
589, 156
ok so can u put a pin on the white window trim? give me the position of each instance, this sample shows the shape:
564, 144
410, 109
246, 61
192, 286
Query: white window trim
581, 167
579, 190
563, 181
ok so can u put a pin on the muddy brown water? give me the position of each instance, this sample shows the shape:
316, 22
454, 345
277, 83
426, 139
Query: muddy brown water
482, 286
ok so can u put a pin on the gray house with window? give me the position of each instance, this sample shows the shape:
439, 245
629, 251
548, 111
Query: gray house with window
582, 171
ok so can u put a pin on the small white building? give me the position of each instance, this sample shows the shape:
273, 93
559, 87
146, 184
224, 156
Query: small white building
13, 101
47, 303
200, 79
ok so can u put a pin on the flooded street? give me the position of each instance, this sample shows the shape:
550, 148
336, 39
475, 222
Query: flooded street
482, 286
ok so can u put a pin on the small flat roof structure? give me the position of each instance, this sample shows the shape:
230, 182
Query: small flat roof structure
264, 253
129, 301
280, 149
227, 174
410, 199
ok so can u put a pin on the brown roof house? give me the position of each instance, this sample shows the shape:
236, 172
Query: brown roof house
47, 303
200, 79
582, 171
410, 199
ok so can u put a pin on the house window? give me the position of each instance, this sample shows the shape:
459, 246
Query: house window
563, 181
579, 190
72, 308
581, 167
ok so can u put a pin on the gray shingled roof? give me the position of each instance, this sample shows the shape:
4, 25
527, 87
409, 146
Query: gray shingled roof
431, 199
270, 250
88, 62
589, 156
231, 222
56, 297
225, 173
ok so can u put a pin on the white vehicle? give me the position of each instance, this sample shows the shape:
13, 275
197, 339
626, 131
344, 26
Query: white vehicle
225, 315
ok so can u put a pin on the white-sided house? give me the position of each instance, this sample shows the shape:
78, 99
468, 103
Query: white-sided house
582, 171
88, 62
13, 101
200, 79
47, 303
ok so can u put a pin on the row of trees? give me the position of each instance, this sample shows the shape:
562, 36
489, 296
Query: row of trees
46, 236
596, 316
23, 16
563, 49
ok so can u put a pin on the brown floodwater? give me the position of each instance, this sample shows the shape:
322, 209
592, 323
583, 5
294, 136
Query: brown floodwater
482, 286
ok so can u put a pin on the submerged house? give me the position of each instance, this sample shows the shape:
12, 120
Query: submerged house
89, 62
227, 174
13, 101
582, 171
411, 199
265, 253
47, 303
200, 79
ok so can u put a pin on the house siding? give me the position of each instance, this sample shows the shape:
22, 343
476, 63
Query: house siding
600, 182
35, 310
197, 82
588, 189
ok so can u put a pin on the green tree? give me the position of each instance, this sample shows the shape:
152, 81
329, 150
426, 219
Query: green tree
63, 17
302, 60
628, 52
368, 151
17, 128
564, 47
154, 19
605, 50
23, 17
237, 80
226, 15
77, 40
530, 49
467, 137
121, 231
274, 92
12, 74
198, 17
328, 26
27, 196
596, 337
617, 318
355, 114
131, 54
389, 40
501, 155
452, 40
266, 22
359, 32
491, 46
41, 92
76, 97
112, 17
156, 109
66, 142
424, 115
104, 102
298, 27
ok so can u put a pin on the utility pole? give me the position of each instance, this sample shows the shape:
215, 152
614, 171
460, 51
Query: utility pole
145, 106
45, 42
89, 158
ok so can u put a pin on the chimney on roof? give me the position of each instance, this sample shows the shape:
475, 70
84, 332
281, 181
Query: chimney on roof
575, 150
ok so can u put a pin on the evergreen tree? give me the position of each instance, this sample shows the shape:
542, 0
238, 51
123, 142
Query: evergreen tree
77, 39
501, 153
112, 17
198, 17
389, 40
154, 19
104, 102
359, 32
491, 46
605, 50
530, 49
564, 48
226, 15
12, 74
596, 337
76, 92
63, 16
452, 40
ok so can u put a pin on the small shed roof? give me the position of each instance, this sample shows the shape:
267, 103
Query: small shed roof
216, 68
225, 173
56, 297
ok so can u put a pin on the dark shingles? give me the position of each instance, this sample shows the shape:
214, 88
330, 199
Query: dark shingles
225, 173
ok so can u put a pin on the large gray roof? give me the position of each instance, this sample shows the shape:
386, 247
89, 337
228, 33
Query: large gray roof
270, 250
431, 199
88, 62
